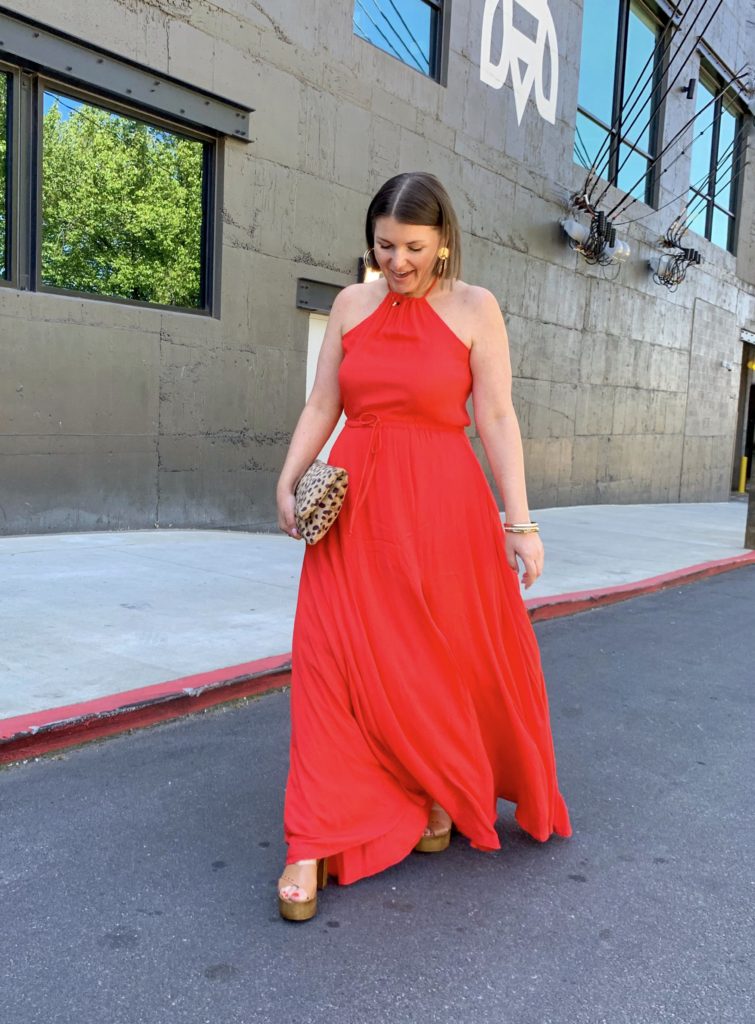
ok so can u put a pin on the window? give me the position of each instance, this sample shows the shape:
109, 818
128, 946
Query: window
617, 114
410, 30
4, 150
715, 163
107, 203
122, 205
109, 174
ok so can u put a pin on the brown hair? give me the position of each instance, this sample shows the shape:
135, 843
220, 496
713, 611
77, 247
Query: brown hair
417, 197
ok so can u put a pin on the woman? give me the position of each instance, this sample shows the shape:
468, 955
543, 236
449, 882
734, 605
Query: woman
417, 695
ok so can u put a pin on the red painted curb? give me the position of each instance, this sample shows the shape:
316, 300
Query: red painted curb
40, 733
32, 735
559, 605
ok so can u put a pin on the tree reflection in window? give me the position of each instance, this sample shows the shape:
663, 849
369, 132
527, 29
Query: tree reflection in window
122, 206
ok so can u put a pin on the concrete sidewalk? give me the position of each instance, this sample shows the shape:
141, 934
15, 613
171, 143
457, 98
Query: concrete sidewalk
91, 618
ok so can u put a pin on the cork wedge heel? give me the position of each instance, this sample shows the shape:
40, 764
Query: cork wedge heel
440, 832
301, 910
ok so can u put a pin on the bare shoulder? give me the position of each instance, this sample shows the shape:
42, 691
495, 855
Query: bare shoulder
485, 316
356, 301
470, 310
481, 301
470, 300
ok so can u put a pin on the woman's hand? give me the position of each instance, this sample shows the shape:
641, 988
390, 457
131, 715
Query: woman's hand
286, 520
529, 548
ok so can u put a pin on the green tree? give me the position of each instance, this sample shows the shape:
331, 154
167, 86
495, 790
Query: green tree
121, 207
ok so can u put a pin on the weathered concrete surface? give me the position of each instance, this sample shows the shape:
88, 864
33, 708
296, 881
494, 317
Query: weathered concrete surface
138, 875
115, 417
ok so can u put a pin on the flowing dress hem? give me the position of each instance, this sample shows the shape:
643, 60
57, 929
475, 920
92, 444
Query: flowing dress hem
371, 857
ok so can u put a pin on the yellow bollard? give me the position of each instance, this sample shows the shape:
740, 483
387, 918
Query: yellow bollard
742, 475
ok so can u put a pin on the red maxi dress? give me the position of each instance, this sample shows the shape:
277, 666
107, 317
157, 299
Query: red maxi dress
416, 674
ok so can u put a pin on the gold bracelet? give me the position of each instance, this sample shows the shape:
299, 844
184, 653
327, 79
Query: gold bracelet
521, 528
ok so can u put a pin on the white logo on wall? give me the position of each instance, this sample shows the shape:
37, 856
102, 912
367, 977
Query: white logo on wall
518, 49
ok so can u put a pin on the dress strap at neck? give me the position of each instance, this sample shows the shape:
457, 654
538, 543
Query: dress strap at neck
400, 295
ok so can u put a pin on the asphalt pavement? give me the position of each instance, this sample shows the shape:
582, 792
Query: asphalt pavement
137, 874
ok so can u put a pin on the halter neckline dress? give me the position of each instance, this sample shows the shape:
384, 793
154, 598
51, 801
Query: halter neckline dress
415, 671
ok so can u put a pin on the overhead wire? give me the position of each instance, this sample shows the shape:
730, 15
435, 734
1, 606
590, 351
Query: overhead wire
584, 156
623, 114
391, 48
596, 166
703, 191
425, 58
697, 186
665, 93
628, 192
670, 85
700, 202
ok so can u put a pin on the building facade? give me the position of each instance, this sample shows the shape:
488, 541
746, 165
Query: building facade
156, 355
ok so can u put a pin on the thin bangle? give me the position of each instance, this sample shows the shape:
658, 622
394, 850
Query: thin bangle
521, 528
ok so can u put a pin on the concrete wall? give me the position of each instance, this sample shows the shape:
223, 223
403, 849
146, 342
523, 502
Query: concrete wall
116, 417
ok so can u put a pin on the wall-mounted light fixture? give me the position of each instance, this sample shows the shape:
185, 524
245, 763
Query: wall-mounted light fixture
619, 252
670, 268
577, 232
597, 243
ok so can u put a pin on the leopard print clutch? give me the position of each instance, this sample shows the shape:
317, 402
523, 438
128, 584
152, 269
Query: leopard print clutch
318, 497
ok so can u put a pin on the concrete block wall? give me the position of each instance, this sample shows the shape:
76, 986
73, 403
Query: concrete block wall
135, 417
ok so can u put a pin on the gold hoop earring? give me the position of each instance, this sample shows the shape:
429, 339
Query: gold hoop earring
367, 259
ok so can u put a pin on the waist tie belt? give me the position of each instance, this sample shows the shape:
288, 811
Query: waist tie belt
371, 419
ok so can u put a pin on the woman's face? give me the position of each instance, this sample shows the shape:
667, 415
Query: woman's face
406, 254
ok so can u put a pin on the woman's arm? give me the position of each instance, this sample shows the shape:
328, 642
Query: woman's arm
498, 427
319, 415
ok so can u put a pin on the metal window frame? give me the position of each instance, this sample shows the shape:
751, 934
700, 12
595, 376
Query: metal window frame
657, 108
712, 80
8, 171
617, 138
30, 53
439, 42
712, 166
738, 168
17, 169
35, 46
43, 84
24, 185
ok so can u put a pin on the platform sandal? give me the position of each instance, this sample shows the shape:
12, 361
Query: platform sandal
440, 837
301, 910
